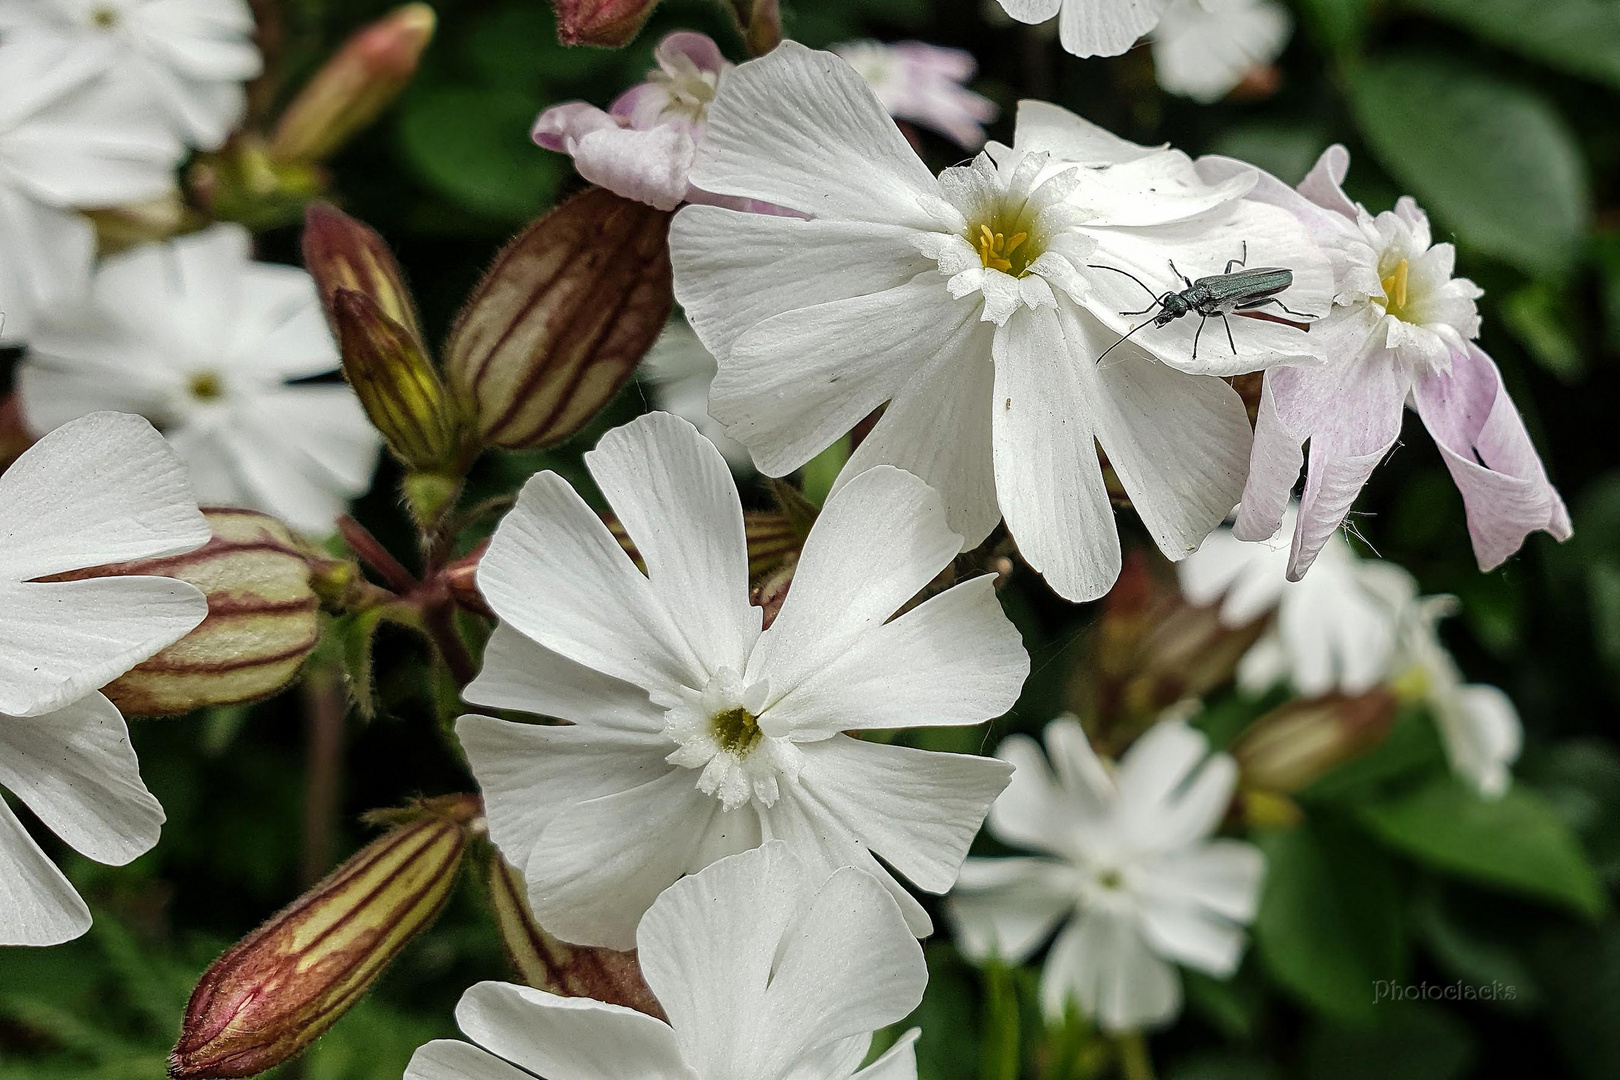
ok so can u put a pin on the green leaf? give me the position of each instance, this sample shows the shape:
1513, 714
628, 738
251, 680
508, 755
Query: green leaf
473, 145
823, 469
1341, 25
1491, 160
1329, 925
1540, 318
1578, 36
1515, 842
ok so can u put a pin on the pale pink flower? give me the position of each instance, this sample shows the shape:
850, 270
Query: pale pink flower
642, 147
1400, 333
925, 84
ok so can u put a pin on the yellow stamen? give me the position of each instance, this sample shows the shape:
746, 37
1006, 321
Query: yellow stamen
1395, 285
206, 386
995, 249
736, 730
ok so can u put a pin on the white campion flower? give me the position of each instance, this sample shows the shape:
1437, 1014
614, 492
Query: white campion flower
207, 344
1204, 48
100, 490
692, 733
1129, 866
1336, 629
1479, 725
66, 141
1092, 27
680, 370
1351, 625
183, 61
765, 969
1399, 334
977, 305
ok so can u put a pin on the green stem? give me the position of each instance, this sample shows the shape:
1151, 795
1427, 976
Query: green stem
1134, 1061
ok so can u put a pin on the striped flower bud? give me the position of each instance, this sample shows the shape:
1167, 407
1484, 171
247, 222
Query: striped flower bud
551, 965
263, 619
1293, 746
361, 79
558, 325
609, 23
397, 386
341, 252
284, 985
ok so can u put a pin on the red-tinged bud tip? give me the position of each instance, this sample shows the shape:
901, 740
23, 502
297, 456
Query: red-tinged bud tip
609, 23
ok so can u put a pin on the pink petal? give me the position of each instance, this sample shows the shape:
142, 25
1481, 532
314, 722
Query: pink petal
648, 166
700, 49
1482, 438
1274, 464
561, 126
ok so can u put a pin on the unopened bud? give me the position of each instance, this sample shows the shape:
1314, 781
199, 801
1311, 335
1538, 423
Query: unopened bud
763, 30
396, 384
558, 325
547, 964
361, 79
609, 23
1292, 747
262, 619
341, 252
285, 984
241, 182
771, 537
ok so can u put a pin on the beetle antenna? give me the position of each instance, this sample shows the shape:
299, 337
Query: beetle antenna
1122, 340
1127, 273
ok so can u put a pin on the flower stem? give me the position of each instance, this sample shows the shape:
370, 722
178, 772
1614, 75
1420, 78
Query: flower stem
1134, 1060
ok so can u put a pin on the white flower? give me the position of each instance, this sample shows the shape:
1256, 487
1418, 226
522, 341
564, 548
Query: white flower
1336, 629
925, 84
693, 734
1129, 863
181, 60
973, 305
1479, 726
1203, 48
679, 370
66, 141
103, 489
1399, 334
765, 970
204, 342
1092, 27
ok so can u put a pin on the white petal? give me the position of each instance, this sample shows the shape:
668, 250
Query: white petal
75, 769
1035, 811
557, 575
898, 1062
1071, 138
674, 495
1180, 443
1006, 908
569, 1038
874, 546
954, 659
796, 382
708, 946
1275, 461
919, 809
1102, 962
1203, 50
1048, 479
600, 864
848, 966
1031, 11
529, 774
518, 674
825, 844
1222, 877
446, 1059
1106, 27
102, 489
45, 254
735, 270
1482, 737
37, 904
1191, 937
801, 129
61, 640
938, 428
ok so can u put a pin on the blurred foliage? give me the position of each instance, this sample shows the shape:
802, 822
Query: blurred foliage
1496, 114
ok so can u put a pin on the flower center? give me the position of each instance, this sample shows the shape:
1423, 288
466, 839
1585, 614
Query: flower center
736, 731
716, 730
206, 386
1395, 294
1111, 880
999, 251
689, 88
104, 17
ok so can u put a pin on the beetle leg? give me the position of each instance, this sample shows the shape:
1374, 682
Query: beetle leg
1228, 324
1244, 261
1187, 280
1285, 307
1202, 319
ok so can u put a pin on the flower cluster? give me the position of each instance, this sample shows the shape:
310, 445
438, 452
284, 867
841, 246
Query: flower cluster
700, 754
